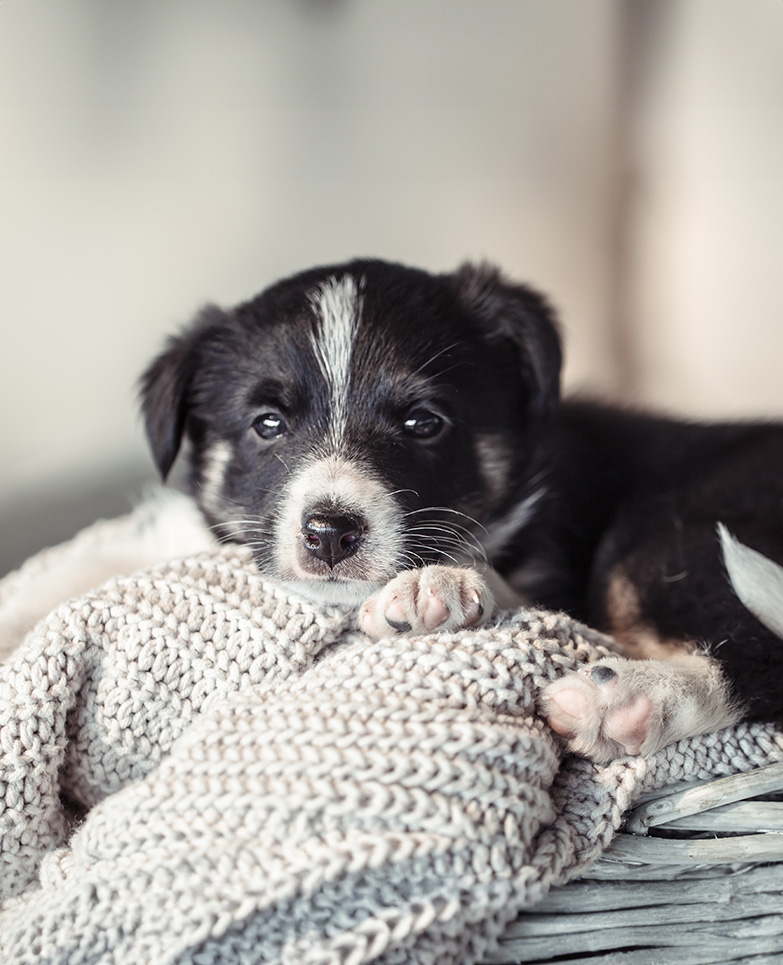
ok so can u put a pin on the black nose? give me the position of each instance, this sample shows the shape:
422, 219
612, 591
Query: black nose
332, 538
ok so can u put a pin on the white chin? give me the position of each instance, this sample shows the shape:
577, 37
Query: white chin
347, 593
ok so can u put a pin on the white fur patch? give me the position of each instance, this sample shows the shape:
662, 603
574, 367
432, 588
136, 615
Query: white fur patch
216, 462
338, 304
757, 581
495, 463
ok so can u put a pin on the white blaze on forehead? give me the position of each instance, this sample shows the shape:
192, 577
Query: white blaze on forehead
338, 304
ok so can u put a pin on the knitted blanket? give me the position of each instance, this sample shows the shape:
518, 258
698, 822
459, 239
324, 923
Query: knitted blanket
255, 782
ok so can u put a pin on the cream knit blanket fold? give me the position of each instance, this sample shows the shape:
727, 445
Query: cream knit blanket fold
264, 785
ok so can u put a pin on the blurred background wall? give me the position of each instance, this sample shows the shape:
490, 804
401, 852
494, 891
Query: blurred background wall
626, 156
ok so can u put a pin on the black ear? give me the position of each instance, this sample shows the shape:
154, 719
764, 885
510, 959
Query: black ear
166, 387
521, 315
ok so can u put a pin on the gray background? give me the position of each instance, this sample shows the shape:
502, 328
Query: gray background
624, 155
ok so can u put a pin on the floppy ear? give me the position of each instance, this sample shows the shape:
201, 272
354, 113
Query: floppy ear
165, 388
523, 316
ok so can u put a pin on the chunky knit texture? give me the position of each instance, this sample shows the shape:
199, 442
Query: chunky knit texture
264, 785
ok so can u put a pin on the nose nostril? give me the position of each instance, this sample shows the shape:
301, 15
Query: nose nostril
332, 537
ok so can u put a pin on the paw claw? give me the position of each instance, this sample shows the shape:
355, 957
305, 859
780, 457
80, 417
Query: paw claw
399, 626
601, 674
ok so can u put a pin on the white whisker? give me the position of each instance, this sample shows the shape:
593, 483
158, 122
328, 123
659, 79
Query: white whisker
436, 356
446, 509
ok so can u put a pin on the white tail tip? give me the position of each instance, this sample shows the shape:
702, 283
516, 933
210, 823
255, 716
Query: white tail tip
757, 581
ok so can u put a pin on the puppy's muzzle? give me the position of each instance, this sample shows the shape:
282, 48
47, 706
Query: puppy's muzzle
332, 537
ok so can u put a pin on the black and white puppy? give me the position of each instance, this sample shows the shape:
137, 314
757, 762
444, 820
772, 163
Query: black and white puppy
357, 424
393, 440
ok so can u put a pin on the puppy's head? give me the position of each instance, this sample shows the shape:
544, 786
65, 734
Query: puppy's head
356, 420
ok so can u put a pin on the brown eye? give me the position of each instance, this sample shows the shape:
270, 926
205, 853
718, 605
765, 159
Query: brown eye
270, 425
423, 424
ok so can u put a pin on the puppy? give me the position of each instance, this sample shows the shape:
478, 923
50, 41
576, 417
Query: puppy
393, 440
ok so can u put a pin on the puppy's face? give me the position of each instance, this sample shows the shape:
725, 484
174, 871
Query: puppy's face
354, 421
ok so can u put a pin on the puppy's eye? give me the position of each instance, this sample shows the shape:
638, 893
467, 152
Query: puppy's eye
270, 425
423, 424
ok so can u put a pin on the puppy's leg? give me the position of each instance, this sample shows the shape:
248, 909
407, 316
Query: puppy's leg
617, 707
672, 591
427, 599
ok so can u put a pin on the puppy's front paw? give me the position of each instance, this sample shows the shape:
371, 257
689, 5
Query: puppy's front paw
617, 707
431, 598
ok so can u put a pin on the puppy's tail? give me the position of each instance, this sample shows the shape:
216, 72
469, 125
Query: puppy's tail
757, 581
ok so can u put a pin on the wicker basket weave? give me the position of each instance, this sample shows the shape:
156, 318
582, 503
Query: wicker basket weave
695, 878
